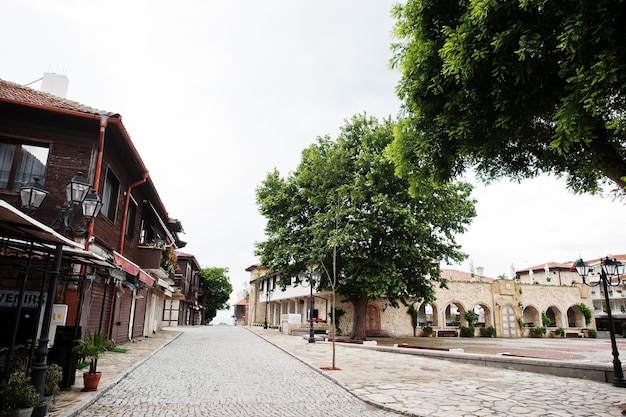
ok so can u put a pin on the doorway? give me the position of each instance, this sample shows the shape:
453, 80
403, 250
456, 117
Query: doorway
509, 322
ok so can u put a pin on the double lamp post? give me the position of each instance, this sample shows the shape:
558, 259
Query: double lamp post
610, 272
79, 194
312, 276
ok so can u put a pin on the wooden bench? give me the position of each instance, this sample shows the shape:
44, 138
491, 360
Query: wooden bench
447, 333
573, 334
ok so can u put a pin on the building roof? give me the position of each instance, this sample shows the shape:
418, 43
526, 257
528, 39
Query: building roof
551, 265
568, 265
24, 95
459, 276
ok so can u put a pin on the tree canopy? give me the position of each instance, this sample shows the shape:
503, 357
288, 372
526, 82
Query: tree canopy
512, 88
389, 242
217, 289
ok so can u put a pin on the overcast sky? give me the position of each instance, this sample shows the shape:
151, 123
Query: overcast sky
215, 94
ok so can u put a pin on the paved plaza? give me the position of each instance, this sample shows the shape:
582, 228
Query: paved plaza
236, 371
222, 371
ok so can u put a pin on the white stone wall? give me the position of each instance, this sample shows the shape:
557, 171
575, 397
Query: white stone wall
491, 296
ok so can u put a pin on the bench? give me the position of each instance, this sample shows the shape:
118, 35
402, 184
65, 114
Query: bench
447, 333
573, 334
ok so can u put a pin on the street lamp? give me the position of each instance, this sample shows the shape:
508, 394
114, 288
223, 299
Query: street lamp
610, 268
268, 295
78, 193
312, 276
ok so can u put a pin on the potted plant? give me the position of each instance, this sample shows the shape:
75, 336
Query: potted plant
18, 396
90, 348
427, 331
54, 375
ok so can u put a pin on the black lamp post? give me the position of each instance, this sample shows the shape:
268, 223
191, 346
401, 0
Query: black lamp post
312, 276
78, 193
610, 268
268, 295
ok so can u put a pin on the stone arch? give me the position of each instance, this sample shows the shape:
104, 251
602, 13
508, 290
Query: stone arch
575, 318
483, 315
531, 317
555, 316
428, 315
453, 314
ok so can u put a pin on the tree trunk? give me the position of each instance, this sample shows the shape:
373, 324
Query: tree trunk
360, 313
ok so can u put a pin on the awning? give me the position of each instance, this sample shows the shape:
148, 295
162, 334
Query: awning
125, 264
132, 268
17, 225
146, 278
20, 231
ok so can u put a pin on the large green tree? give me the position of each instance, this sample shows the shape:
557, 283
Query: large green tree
389, 242
512, 88
217, 289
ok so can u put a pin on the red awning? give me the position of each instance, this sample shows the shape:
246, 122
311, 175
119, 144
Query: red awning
125, 264
132, 268
145, 278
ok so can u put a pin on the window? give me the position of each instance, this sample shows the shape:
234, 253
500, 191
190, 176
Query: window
20, 164
130, 218
110, 195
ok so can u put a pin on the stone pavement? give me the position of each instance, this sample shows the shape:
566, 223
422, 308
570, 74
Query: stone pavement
407, 384
222, 371
114, 367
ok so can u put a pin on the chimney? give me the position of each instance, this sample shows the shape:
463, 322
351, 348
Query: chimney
480, 271
55, 84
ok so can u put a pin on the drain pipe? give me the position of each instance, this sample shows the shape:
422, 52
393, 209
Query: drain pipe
103, 124
120, 249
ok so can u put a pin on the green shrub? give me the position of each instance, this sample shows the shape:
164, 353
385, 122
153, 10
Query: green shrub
560, 332
18, 392
488, 331
467, 331
582, 307
427, 331
537, 331
592, 333
54, 375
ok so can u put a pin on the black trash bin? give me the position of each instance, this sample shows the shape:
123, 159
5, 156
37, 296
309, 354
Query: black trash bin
61, 353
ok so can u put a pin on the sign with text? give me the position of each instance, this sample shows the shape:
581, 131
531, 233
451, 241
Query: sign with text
10, 298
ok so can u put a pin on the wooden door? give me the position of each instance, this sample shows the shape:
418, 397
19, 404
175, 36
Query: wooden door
372, 318
509, 322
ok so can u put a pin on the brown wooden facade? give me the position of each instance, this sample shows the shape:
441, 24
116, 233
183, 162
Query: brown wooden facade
125, 299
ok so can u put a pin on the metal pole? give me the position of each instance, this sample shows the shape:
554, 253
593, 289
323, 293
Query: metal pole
311, 331
40, 366
267, 298
618, 373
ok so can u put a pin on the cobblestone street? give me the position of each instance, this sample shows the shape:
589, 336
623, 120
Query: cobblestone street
226, 371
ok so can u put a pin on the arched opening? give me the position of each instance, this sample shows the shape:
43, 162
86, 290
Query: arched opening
427, 315
575, 318
454, 314
531, 317
554, 315
509, 321
483, 316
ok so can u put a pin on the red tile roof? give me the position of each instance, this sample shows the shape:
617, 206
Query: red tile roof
18, 93
456, 275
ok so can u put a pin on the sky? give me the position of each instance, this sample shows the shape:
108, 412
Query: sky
216, 94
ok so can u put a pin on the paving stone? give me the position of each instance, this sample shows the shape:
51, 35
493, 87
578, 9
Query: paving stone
234, 371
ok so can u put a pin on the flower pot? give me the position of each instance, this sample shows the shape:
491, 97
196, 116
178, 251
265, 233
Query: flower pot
91, 381
22, 412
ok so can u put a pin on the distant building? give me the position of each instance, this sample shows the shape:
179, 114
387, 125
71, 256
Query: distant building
511, 306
